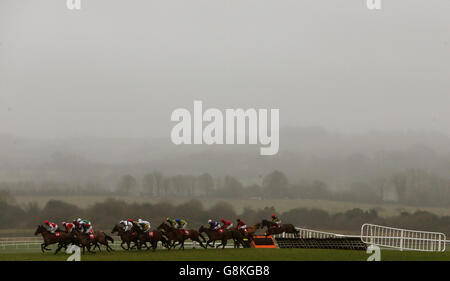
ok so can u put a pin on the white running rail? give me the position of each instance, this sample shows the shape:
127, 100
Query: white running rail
403, 239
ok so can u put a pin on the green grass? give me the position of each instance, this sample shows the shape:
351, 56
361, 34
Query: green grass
232, 255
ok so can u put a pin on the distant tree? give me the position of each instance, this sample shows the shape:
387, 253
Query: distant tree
231, 188
127, 185
275, 185
148, 184
159, 179
205, 184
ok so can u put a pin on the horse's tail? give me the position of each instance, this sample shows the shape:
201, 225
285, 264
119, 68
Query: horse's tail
109, 238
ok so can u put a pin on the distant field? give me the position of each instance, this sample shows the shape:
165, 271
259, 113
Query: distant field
233, 255
280, 205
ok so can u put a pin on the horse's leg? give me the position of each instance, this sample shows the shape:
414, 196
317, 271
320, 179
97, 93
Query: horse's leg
59, 248
42, 247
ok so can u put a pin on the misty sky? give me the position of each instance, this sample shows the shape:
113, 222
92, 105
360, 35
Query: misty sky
119, 68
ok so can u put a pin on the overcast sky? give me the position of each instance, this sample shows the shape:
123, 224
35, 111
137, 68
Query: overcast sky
119, 68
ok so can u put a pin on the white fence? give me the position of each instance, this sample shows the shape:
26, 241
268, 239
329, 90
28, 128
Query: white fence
403, 239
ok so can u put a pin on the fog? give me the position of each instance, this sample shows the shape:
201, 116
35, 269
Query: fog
119, 68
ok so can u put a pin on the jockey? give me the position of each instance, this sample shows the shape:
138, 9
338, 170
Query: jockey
241, 224
68, 225
276, 220
143, 225
213, 225
77, 223
226, 224
181, 224
171, 222
126, 224
51, 226
85, 226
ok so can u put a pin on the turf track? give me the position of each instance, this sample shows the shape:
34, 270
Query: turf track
232, 255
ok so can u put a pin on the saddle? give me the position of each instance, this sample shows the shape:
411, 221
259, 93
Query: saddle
58, 234
150, 234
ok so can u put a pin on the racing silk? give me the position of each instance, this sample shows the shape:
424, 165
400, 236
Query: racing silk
214, 225
172, 222
144, 225
126, 225
69, 226
52, 227
226, 224
276, 220
86, 226
181, 224
241, 225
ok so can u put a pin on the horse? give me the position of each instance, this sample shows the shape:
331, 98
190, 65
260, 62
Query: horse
94, 238
62, 238
223, 235
151, 236
248, 232
273, 228
173, 235
126, 236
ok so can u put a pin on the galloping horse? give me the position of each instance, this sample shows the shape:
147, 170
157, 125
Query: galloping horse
178, 235
62, 238
126, 236
249, 231
273, 228
173, 235
152, 236
223, 235
85, 240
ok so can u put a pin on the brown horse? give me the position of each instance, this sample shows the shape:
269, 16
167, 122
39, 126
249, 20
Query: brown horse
173, 236
62, 238
222, 235
151, 236
96, 238
249, 231
126, 236
273, 228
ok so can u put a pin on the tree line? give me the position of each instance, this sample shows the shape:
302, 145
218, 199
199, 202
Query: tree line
413, 187
104, 215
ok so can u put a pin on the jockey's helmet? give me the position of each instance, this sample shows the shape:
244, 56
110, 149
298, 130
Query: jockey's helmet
46, 222
223, 220
273, 216
130, 220
209, 221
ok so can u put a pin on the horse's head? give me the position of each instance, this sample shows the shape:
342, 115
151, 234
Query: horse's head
258, 226
40, 229
163, 226
115, 229
202, 229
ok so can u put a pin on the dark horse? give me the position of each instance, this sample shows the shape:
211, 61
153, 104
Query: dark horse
126, 236
96, 238
178, 235
60, 237
222, 235
273, 228
151, 236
